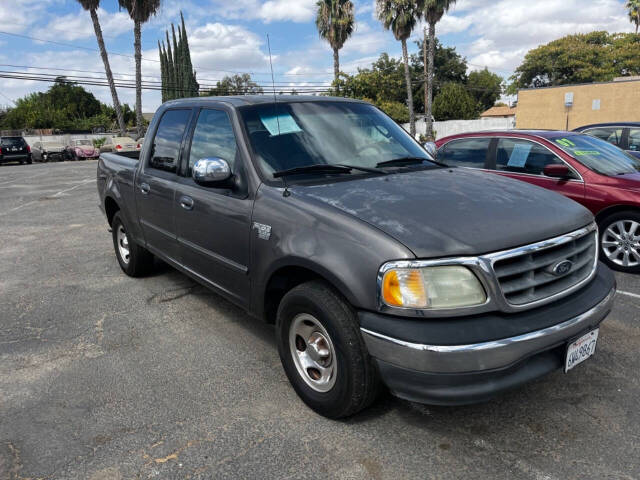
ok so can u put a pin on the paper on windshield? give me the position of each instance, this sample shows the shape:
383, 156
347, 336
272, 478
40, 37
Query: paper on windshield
519, 155
279, 124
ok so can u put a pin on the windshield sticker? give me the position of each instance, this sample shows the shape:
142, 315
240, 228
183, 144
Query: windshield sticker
565, 142
580, 153
279, 124
519, 155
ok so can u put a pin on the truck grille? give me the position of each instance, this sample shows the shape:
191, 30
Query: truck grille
526, 275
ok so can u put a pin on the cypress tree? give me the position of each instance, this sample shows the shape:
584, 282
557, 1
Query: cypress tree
176, 70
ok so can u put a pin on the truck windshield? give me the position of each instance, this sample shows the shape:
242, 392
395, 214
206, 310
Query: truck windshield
598, 155
285, 136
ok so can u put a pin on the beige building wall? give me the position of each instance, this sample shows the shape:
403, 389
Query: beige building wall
592, 103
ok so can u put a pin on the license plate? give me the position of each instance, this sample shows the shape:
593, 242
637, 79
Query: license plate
581, 349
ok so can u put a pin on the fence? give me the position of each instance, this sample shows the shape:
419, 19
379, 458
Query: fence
453, 127
65, 139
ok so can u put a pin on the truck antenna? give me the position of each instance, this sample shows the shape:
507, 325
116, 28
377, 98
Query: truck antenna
286, 192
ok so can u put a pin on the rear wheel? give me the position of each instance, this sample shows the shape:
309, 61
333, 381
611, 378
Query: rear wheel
134, 260
620, 241
323, 353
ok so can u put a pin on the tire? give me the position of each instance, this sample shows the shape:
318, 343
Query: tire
315, 311
620, 241
29, 161
138, 261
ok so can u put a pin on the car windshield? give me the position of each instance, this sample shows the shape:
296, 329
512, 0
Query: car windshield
12, 142
285, 136
598, 155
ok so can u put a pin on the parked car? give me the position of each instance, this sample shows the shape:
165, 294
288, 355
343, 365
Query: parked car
140, 142
81, 150
586, 169
14, 149
118, 145
47, 151
375, 263
625, 135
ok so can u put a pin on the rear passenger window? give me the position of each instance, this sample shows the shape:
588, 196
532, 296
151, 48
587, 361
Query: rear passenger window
634, 139
213, 138
610, 134
468, 152
166, 144
523, 156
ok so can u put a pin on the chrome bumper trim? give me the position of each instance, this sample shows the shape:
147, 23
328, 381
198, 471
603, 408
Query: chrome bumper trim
481, 356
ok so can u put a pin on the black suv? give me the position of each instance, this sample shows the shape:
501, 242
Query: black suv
14, 149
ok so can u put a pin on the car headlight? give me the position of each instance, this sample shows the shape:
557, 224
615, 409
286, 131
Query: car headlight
450, 286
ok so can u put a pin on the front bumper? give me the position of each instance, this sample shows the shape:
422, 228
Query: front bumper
449, 373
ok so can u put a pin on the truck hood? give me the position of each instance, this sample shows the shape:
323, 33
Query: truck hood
450, 212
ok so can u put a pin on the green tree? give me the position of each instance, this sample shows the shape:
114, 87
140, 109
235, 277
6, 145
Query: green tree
433, 12
396, 110
401, 17
454, 102
92, 7
176, 70
486, 87
448, 66
633, 6
140, 12
581, 58
235, 85
335, 21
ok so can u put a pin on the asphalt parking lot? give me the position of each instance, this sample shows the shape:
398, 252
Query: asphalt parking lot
106, 377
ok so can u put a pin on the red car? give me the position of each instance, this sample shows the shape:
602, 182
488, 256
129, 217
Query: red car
589, 170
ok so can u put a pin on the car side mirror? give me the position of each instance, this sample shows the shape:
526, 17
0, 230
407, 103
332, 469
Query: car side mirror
431, 149
210, 172
557, 171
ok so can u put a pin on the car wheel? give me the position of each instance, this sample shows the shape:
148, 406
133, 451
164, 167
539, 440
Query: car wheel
134, 260
323, 353
29, 160
620, 241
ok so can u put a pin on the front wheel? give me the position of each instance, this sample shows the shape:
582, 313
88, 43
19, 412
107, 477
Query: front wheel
134, 260
323, 353
620, 241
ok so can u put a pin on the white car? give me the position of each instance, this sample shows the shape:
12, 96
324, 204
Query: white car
47, 151
119, 145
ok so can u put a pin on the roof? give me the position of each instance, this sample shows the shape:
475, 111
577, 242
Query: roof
609, 124
502, 111
570, 85
241, 100
546, 134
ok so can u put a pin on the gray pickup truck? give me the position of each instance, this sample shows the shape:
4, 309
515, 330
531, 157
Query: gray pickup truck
377, 265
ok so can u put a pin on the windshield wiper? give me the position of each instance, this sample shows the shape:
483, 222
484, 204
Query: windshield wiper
403, 161
320, 168
363, 169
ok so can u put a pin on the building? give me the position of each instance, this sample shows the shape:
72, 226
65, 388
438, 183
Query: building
499, 112
570, 106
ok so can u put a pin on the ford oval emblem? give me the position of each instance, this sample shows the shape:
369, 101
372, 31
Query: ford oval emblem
562, 268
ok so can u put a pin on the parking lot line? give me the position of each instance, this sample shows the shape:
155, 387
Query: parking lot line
629, 294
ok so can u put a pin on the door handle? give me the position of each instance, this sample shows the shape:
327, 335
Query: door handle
186, 202
145, 188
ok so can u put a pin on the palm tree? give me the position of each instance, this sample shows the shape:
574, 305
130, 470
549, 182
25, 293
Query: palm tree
401, 16
140, 12
335, 22
433, 12
92, 7
634, 12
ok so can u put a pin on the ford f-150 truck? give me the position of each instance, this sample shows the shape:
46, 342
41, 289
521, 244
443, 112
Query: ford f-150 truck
377, 265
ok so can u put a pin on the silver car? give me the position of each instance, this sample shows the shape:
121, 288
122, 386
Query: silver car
47, 151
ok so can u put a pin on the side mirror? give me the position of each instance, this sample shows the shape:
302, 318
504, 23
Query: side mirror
431, 149
557, 171
211, 171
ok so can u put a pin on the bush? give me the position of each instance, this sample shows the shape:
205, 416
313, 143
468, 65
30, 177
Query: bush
454, 102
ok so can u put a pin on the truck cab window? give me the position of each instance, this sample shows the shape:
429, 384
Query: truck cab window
213, 137
166, 144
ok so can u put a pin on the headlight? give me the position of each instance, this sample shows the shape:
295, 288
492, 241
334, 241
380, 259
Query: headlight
432, 287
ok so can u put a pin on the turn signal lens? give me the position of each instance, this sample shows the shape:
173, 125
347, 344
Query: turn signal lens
404, 288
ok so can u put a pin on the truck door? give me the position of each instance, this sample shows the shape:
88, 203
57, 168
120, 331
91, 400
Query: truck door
214, 224
155, 184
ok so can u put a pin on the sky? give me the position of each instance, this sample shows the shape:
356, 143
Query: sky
230, 36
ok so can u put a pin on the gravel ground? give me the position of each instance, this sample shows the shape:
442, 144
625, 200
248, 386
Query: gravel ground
107, 377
